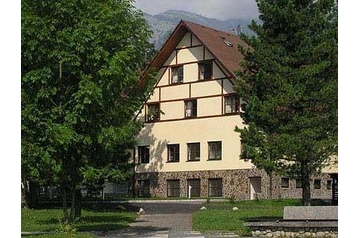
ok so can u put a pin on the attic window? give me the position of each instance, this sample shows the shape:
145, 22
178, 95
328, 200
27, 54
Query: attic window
228, 43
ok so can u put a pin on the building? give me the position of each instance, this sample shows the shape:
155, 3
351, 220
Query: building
188, 146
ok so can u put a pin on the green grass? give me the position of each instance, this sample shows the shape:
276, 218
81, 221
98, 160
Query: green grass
221, 217
49, 220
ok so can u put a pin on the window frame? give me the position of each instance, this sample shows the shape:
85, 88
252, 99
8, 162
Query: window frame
144, 188
218, 188
283, 182
298, 183
317, 184
196, 151
207, 68
156, 114
233, 102
195, 190
193, 109
179, 72
145, 153
176, 153
175, 190
215, 150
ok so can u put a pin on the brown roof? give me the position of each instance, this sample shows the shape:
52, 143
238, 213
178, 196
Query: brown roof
228, 56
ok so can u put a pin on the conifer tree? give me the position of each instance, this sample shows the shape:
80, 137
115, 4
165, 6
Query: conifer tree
290, 81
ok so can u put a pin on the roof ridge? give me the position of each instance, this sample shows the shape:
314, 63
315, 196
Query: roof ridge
208, 27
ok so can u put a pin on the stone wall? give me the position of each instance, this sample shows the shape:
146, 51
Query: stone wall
235, 184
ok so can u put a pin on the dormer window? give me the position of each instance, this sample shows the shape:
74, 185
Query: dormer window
205, 70
177, 74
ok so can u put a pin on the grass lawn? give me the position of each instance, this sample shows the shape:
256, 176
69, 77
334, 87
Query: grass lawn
220, 216
50, 220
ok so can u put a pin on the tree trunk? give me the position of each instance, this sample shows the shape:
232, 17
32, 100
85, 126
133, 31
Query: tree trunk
64, 207
75, 204
78, 203
24, 194
306, 188
270, 175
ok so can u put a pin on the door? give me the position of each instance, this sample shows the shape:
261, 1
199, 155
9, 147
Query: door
255, 187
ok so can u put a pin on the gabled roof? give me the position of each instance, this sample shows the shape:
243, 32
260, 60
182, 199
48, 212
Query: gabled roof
214, 41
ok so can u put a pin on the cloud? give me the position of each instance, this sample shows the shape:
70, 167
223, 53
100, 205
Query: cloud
222, 10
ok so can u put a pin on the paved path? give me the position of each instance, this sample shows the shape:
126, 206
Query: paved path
163, 219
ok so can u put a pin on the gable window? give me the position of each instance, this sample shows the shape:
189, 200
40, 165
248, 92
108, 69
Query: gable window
153, 114
190, 108
177, 74
193, 151
143, 154
215, 187
144, 188
317, 184
285, 182
214, 150
205, 70
173, 188
194, 187
173, 153
231, 104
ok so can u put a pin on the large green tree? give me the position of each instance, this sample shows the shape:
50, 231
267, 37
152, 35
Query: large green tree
290, 81
80, 89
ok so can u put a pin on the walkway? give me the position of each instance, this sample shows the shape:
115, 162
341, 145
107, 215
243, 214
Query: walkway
163, 219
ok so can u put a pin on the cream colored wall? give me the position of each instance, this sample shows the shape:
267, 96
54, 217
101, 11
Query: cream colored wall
217, 72
191, 72
178, 91
164, 77
172, 110
209, 106
190, 55
159, 135
195, 41
206, 88
185, 42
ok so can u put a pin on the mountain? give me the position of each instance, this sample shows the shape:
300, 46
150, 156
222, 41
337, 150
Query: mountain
164, 23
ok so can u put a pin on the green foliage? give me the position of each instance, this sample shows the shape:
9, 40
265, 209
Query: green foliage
290, 80
80, 89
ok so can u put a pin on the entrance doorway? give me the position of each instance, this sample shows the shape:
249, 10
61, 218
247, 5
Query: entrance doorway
255, 187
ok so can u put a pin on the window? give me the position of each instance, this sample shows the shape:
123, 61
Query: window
285, 182
317, 184
194, 184
190, 108
214, 150
144, 188
205, 70
329, 184
177, 74
298, 183
143, 154
193, 151
173, 188
215, 187
153, 112
231, 104
173, 153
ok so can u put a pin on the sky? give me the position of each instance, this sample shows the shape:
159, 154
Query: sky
221, 10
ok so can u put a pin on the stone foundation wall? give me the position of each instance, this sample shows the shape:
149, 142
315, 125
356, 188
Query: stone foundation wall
296, 233
235, 184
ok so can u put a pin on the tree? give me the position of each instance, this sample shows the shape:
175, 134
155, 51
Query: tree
290, 81
81, 64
